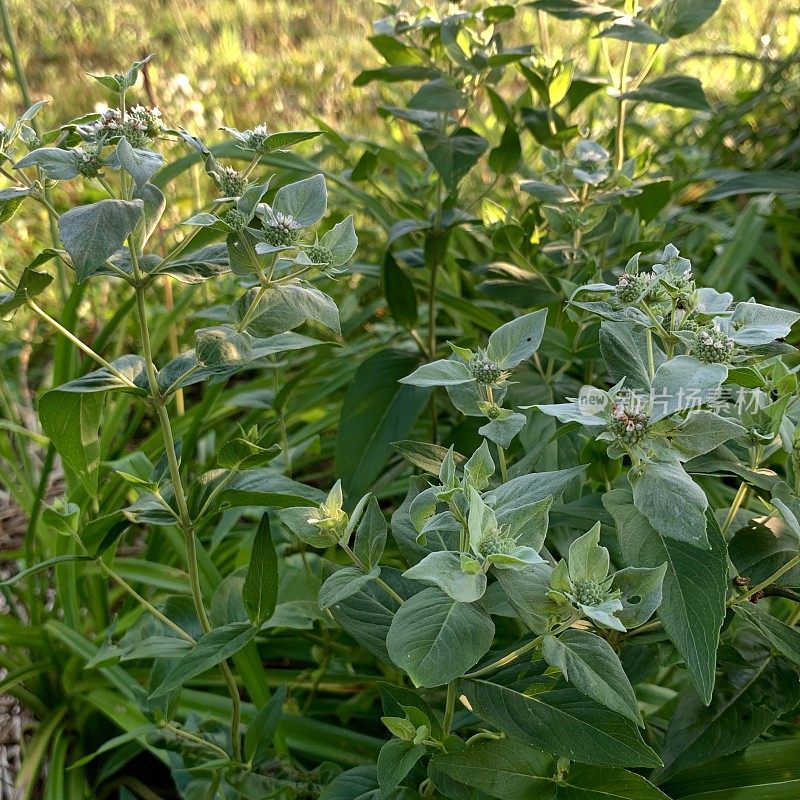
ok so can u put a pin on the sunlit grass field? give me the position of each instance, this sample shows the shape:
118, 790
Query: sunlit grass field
289, 63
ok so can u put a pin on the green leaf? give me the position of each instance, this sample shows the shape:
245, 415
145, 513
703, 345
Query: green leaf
10, 200
641, 593
504, 158
678, 91
438, 95
576, 9
93, 233
289, 138
260, 592
30, 284
395, 74
140, 164
56, 164
367, 616
672, 502
759, 552
701, 432
258, 738
286, 306
71, 421
546, 192
684, 382
679, 17
395, 760
590, 664
344, 583
342, 241
257, 487
755, 182
399, 291
443, 569
526, 493
632, 29
305, 200
453, 155
518, 340
695, 584
103, 380
428, 457
784, 639
376, 412
748, 698
211, 649
624, 350
42, 566
510, 770
766, 770
445, 372
562, 721
370, 538
756, 324
435, 639
360, 783
222, 346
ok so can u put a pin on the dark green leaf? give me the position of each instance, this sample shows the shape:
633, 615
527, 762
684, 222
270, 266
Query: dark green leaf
564, 722
695, 584
260, 591
590, 664
93, 233
376, 412
212, 648
678, 91
258, 738
435, 639
395, 761
399, 290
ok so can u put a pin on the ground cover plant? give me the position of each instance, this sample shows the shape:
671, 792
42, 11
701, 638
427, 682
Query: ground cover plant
455, 458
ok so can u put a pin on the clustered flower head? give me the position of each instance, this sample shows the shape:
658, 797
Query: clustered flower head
231, 182
235, 219
319, 254
592, 162
587, 592
484, 370
329, 516
582, 583
714, 346
632, 287
89, 162
139, 126
281, 230
496, 541
629, 424
256, 139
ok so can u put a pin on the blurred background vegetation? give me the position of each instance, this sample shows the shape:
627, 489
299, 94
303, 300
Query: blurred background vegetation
289, 62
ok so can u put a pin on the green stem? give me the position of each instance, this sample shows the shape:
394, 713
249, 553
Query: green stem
82, 346
520, 651
362, 566
146, 604
180, 495
191, 737
651, 362
501, 455
789, 565
450, 705
741, 494
619, 147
